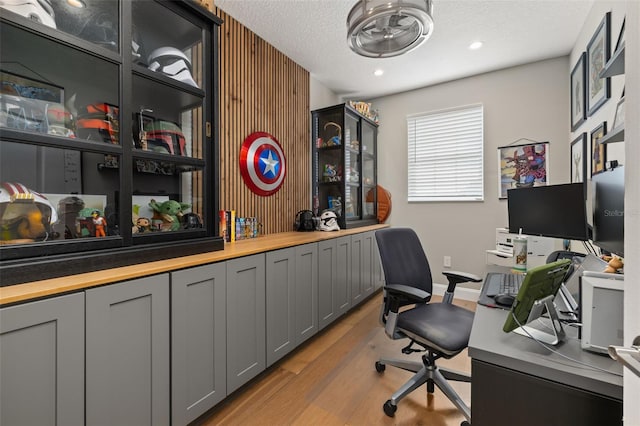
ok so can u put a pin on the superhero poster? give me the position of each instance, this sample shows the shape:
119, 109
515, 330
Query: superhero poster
522, 166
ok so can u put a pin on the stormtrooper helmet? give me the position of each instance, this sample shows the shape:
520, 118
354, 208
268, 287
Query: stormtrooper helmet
173, 63
328, 221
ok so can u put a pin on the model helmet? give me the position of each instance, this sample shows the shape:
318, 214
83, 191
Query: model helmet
99, 122
24, 214
173, 63
328, 221
165, 137
92, 20
36, 10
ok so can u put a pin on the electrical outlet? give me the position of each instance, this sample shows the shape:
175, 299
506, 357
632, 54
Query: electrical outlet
447, 261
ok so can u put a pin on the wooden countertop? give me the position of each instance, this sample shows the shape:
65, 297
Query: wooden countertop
45, 288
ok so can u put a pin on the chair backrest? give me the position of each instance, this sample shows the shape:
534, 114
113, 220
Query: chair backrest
403, 259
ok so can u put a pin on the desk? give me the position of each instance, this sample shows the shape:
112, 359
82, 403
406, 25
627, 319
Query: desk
517, 381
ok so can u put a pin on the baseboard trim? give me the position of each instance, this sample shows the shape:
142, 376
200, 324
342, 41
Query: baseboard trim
463, 293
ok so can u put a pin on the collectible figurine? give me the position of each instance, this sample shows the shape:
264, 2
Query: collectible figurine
169, 212
99, 223
142, 225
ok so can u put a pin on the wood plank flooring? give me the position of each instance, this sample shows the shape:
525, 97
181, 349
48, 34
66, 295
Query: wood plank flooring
331, 380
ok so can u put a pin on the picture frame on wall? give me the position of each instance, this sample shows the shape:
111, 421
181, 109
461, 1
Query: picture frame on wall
579, 158
578, 93
620, 41
618, 120
598, 53
522, 166
598, 150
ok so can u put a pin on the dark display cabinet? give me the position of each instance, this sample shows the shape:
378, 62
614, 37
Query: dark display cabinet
345, 165
108, 121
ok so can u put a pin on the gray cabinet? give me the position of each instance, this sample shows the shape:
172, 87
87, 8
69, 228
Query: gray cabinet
42, 362
246, 345
127, 353
327, 282
306, 293
343, 275
280, 296
368, 262
198, 341
362, 266
334, 279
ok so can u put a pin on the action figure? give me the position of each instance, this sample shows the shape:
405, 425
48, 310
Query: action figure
100, 223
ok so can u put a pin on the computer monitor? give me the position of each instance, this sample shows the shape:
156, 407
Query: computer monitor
557, 211
536, 296
608, 210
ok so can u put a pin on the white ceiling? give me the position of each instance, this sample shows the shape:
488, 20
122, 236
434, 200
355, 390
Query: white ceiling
313, 33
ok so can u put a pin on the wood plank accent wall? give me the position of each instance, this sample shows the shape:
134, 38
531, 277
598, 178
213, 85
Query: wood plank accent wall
261, 89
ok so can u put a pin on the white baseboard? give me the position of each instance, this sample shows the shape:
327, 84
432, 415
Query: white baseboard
463, 293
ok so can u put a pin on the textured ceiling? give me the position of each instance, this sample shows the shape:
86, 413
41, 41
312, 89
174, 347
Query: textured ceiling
313, 33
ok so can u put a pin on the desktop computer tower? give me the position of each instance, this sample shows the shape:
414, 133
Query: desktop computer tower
602, 304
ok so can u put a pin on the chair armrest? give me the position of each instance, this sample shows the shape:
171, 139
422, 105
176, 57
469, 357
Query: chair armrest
457, 277
415, 295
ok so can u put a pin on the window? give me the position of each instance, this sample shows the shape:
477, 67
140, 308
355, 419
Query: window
446, 155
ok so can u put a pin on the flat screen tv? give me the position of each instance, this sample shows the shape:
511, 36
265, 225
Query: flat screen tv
557, 211
608, 210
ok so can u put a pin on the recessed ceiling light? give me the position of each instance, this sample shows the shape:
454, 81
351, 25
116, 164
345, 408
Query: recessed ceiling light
475, 45
378, 73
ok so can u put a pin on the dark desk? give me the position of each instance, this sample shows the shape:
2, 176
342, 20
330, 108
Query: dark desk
517, 381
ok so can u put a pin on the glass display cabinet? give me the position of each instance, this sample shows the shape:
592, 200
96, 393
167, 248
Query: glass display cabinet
345, 165
107, 134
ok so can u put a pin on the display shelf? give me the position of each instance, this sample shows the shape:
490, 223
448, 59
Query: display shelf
616, 135
615, 65
344, 168
95, 120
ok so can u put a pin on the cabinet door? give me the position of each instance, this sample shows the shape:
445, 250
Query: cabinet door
378, 273
343, 275
280, 294
306, 314
198, 341
246, 345
327, 282
42, 362
357, 279
127, 353
368, 246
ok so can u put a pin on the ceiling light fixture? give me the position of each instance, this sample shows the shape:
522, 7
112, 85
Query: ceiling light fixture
386, 28
475, 45
378, 72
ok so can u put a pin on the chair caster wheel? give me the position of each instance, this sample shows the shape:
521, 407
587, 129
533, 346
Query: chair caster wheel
380, 367
465, 423
389, 408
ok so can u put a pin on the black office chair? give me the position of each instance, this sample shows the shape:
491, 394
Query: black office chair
441, 329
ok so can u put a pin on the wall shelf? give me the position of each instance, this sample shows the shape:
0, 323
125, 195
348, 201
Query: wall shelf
616, 135
615, 65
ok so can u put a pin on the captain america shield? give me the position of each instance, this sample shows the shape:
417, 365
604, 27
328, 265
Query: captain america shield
262, 163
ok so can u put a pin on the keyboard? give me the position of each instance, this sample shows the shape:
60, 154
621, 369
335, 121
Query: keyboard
504, 283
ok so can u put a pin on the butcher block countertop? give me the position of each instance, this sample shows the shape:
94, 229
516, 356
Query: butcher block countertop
54, 286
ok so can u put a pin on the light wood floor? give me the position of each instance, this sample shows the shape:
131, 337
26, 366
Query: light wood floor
331, 380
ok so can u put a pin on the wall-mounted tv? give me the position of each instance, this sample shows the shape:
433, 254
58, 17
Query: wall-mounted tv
557, 211
608, 210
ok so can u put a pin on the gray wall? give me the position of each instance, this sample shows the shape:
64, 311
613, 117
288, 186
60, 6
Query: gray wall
529, 101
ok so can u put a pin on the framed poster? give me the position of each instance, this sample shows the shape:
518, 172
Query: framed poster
579, 158
598, 150
578, 93
522, 166
598, 53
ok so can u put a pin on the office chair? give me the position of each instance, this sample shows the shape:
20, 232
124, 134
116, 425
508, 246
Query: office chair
441, 329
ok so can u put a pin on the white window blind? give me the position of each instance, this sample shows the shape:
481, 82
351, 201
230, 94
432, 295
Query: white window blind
446, 155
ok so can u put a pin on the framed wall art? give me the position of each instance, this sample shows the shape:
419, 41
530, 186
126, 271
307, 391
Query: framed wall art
598, 53
522, 166
598, 150
578, 93
618, 120
579, 158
